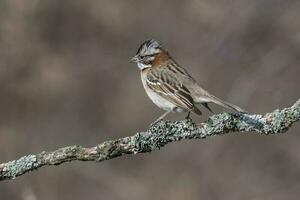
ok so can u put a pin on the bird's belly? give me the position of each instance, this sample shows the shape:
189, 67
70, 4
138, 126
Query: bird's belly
158, 100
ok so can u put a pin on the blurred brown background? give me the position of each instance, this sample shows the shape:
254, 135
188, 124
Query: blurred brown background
66, 79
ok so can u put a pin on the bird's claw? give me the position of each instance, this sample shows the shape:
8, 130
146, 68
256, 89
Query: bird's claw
155, 122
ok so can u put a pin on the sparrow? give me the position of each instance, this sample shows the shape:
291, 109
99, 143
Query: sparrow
169, 85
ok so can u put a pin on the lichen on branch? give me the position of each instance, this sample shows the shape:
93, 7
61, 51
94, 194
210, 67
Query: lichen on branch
156, 137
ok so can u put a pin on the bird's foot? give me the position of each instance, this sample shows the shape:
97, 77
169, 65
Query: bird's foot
155, 122
199, 125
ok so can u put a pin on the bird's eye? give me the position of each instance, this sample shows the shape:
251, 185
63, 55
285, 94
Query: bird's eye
142, 57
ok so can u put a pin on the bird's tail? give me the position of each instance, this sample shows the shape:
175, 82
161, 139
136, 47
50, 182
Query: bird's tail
202, 96
224, 104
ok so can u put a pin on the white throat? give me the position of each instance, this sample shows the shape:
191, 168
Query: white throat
143, 66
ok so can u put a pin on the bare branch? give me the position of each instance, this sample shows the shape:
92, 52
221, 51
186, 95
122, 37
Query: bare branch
156, 137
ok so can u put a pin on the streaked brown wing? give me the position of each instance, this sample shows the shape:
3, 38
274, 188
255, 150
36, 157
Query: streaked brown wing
179, 71
167, 86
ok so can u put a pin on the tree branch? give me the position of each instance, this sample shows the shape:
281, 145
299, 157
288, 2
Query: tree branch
157, 136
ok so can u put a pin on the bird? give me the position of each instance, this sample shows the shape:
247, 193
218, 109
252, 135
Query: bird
169, 85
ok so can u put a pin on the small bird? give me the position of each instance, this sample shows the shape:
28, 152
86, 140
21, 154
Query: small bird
170, 86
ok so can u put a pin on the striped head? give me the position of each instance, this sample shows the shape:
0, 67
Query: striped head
147, 54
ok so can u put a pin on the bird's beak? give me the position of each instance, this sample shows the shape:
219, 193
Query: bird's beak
135, 59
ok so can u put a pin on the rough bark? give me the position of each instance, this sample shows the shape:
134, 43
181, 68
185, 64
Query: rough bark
156, 137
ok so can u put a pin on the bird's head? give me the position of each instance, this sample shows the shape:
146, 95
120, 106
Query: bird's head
148, 54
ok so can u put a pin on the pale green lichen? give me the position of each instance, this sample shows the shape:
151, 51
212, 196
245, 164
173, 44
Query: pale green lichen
156, 137
15, 168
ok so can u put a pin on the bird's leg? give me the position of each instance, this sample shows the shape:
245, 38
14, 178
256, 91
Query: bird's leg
188, 115
161, 117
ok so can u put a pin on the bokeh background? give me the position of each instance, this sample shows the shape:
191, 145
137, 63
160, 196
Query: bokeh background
65, 78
